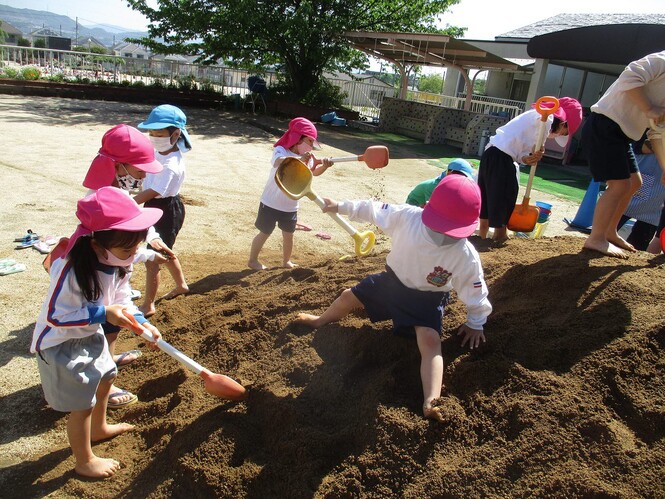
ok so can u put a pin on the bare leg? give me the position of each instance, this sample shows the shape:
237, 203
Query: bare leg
612, 234
181, 288
111, 340
287, 250
500, 234
257, 244
603, 217
483, 228
431, 368
340, 308
151, 286
99, 428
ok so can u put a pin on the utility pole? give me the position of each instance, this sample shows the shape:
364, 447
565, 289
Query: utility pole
76, 39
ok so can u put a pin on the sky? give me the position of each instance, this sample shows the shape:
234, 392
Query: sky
484, 19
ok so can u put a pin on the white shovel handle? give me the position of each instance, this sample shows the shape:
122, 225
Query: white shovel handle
345, 225
172, 351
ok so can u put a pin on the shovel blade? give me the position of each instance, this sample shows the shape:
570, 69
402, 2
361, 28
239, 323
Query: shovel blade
376, 157
222, 386
523, 218
294, 178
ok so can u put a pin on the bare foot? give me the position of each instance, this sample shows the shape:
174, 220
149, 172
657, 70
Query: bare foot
620, 242
604, 247
177, 291
654, 246
110, 431
97, 467
433, 413
148, 310
307, 320
256, 265
290, 265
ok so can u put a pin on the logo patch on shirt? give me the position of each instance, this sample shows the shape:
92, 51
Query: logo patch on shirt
438, 277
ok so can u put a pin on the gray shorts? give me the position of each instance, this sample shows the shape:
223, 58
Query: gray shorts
71, 372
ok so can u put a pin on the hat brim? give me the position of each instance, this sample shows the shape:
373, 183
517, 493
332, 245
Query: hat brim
435, 222
562, 140
146, 218
152, 167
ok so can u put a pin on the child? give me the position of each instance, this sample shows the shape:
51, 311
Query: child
90, 285
167, 133
123, 161
421, 193
275, 206
513, 143
430, 256
621, 115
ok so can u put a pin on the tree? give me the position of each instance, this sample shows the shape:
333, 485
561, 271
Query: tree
303, 38
432, 83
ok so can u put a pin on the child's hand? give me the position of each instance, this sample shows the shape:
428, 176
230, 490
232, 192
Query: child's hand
533, 158
155, 334
306, 157
158, 245
330, 205
327, 163
472, 336
115, 316
657, 114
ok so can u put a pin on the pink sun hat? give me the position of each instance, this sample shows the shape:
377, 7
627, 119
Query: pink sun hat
111, 208
454, 207
570, 111
122, 144
297, 128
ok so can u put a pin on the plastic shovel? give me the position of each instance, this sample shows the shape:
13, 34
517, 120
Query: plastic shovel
215, 384
374, 156
524, 217
295, 179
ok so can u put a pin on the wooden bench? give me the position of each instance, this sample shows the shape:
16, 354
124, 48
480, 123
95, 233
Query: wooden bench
416, 128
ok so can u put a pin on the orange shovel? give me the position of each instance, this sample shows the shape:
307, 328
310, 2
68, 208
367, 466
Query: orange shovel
215, 384
525, 217
295, 179
374, 157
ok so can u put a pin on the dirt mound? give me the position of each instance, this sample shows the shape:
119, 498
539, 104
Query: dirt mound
565, 399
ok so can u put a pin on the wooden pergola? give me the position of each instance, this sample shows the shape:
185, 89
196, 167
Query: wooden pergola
425, 49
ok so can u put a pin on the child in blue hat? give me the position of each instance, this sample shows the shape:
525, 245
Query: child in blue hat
166, 130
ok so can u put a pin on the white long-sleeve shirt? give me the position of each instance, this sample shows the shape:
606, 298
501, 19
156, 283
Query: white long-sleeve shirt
420, 263
648, 72
66, 315
518, 137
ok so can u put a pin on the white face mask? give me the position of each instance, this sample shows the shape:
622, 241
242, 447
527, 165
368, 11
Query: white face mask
161, 144
113, 261
127, 182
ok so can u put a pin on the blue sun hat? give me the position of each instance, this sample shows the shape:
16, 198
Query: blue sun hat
462, 166
165, 116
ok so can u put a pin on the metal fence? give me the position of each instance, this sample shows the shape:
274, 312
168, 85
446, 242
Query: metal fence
479, 103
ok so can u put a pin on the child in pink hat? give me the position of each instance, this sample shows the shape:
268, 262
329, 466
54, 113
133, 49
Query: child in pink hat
430, 256
512, 144
90, 286
276, 208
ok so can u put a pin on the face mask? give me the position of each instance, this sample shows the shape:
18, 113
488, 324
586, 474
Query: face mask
129, 183
113, 261
161, 144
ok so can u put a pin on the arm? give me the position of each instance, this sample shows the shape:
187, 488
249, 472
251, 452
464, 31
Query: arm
146, 195
383, 215
321, 166
66, 305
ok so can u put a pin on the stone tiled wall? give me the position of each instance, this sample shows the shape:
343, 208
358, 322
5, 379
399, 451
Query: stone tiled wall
436, 124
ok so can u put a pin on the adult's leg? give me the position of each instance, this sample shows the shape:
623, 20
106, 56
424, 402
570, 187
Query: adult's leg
634, 184
605, 216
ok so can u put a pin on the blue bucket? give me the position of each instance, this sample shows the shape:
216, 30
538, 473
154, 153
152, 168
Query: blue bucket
338, 122
329, 117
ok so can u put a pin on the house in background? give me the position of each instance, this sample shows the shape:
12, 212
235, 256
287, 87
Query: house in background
11, 34
89, 42
362, 90
52, 39
131, 50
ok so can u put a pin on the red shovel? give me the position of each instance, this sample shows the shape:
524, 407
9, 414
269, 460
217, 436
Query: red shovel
374, 157
215, 384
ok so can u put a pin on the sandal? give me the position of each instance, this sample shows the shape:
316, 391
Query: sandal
30, 236
122, 358
42, 247
323, 235
12, 269
121, 393
303, 227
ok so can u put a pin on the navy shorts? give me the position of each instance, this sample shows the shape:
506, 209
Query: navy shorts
607, 149
385, 297
268, 217
497, 180
172, 219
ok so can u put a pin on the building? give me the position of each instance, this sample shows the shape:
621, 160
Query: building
131, 50
51, 39
11, 34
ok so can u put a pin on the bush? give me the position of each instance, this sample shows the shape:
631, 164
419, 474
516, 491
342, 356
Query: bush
31, 73
138, 84
325, 94
11, 73
58, 78
187, 82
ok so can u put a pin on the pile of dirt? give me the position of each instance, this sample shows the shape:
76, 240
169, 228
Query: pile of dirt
566, 398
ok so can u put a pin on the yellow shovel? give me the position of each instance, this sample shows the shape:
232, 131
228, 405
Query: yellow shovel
295, 179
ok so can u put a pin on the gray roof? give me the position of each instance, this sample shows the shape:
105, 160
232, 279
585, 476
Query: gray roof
569, 21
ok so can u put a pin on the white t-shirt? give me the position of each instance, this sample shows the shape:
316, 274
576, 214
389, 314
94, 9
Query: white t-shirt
272, 195
517, 138
648, 72
169, 181
420, 263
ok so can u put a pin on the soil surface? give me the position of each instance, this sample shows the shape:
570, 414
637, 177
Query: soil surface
566, 398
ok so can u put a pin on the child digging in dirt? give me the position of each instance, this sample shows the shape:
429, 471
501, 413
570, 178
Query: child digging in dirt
276, 208
89, 286
167, 133
430, 256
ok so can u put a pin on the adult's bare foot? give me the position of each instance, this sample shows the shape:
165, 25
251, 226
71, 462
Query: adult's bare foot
110, 431
97, 467
433, 413
290, 265
620, 242
256, 265
148, 310
654, 246
307, 320
177, 291
604, 247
